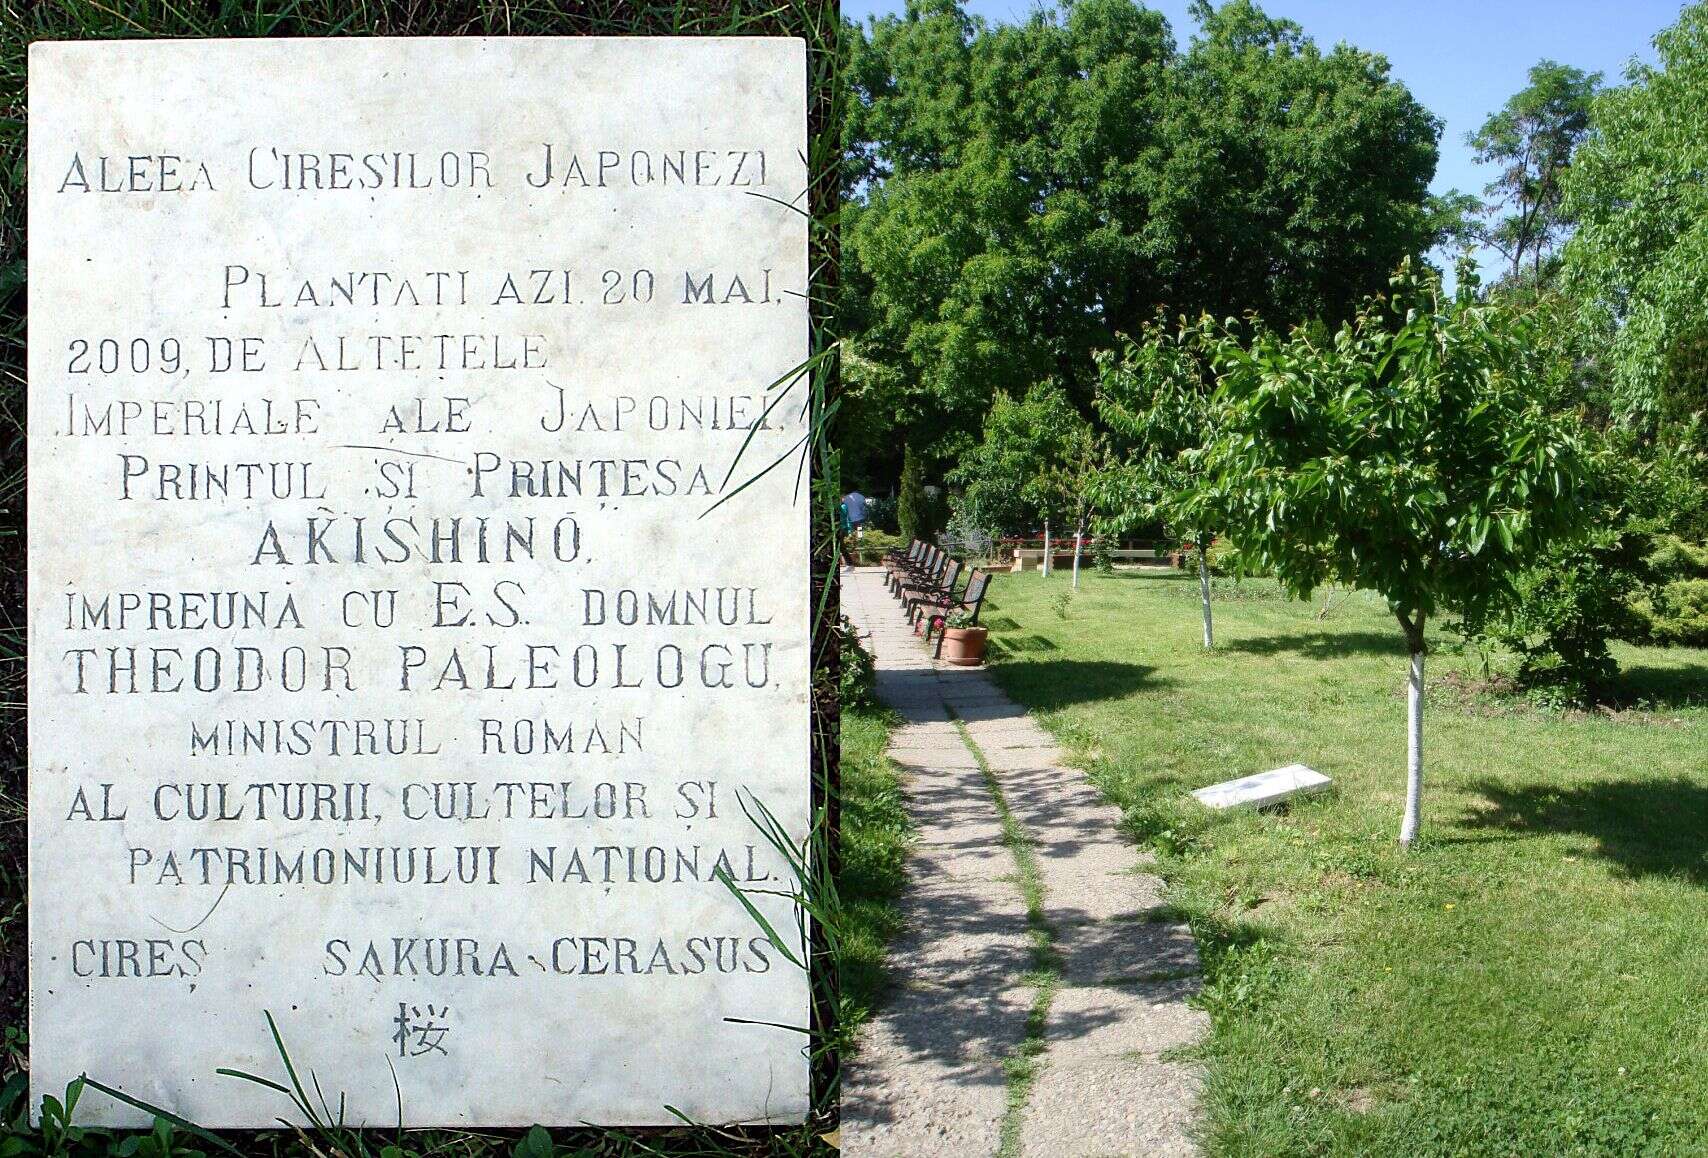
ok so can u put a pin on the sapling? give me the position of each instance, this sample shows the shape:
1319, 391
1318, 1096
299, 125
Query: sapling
1155, 396
1413, 452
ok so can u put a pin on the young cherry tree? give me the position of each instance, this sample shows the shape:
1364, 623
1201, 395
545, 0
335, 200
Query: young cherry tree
1412, 453
1038, 460
1154, 396
1075, 480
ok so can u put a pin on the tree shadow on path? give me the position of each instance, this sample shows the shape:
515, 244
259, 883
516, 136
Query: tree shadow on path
1645, 827
1047, 684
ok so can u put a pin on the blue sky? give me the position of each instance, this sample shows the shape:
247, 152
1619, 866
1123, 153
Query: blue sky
1461, 59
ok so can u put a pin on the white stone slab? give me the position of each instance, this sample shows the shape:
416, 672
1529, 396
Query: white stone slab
346, 260
1263, 789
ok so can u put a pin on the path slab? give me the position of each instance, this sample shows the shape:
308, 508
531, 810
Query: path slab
984, 858
1114, 1021
929, 1078
1104, 885
1111, 1108
1113, 951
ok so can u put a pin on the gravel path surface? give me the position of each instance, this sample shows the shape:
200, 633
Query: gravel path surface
1013, 1028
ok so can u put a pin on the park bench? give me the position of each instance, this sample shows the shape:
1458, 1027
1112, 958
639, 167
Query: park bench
1024, 555
928, 564
916, 555
937, 617
922, 593
924, 578
897, 557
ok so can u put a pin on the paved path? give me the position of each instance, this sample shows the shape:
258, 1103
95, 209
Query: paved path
1107, 985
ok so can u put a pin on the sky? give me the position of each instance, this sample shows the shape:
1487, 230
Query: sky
1460, 59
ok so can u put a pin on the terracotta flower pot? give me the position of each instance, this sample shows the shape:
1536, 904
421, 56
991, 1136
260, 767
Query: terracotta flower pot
964, 646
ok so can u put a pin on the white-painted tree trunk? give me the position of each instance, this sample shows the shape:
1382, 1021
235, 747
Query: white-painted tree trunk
1204, 596
1046, 548
1078, 540
1414, 752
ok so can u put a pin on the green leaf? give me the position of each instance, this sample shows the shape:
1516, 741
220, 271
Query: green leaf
536, 1143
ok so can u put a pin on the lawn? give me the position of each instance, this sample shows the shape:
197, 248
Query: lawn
875, 833
1531, 979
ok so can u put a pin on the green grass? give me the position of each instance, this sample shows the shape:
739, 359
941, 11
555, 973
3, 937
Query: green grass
1531, 979
875, 832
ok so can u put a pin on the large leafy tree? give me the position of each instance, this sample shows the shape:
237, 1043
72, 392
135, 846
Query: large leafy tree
1414, 452
1019, 193
1531, 140
1639, 254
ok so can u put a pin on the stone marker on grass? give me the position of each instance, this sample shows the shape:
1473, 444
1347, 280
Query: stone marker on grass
1263, 789
395, 670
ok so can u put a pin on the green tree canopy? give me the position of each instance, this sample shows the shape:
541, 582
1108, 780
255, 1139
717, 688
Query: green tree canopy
1154, 395
1639, 255
1035, 462
1531, 139
1019, 193
1417, 452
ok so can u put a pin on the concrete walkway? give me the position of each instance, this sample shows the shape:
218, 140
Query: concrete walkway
980, 979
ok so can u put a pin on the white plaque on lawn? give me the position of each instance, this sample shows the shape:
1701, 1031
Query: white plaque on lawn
394, 669
1264, 789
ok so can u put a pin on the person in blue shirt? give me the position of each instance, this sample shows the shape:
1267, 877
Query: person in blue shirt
855, 504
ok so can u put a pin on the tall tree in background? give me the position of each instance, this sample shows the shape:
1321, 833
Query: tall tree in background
1639, 257
1532, 139
1019, 193
913, 514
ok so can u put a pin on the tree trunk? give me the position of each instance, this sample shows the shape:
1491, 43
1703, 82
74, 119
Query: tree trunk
1046, 548
1413, 818
1078, 540
1204, 594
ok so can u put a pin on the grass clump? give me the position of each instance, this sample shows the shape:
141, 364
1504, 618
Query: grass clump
875, 833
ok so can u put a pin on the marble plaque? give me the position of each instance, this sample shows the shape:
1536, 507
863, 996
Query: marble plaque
1264, 789
403, 648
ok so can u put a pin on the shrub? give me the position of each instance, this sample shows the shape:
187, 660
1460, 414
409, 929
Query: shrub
870, 547
1223, 561
964, 535
1561, 613
1674, 610
1676, 613
1101, 556
859, 673
1673, 558
913, 514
